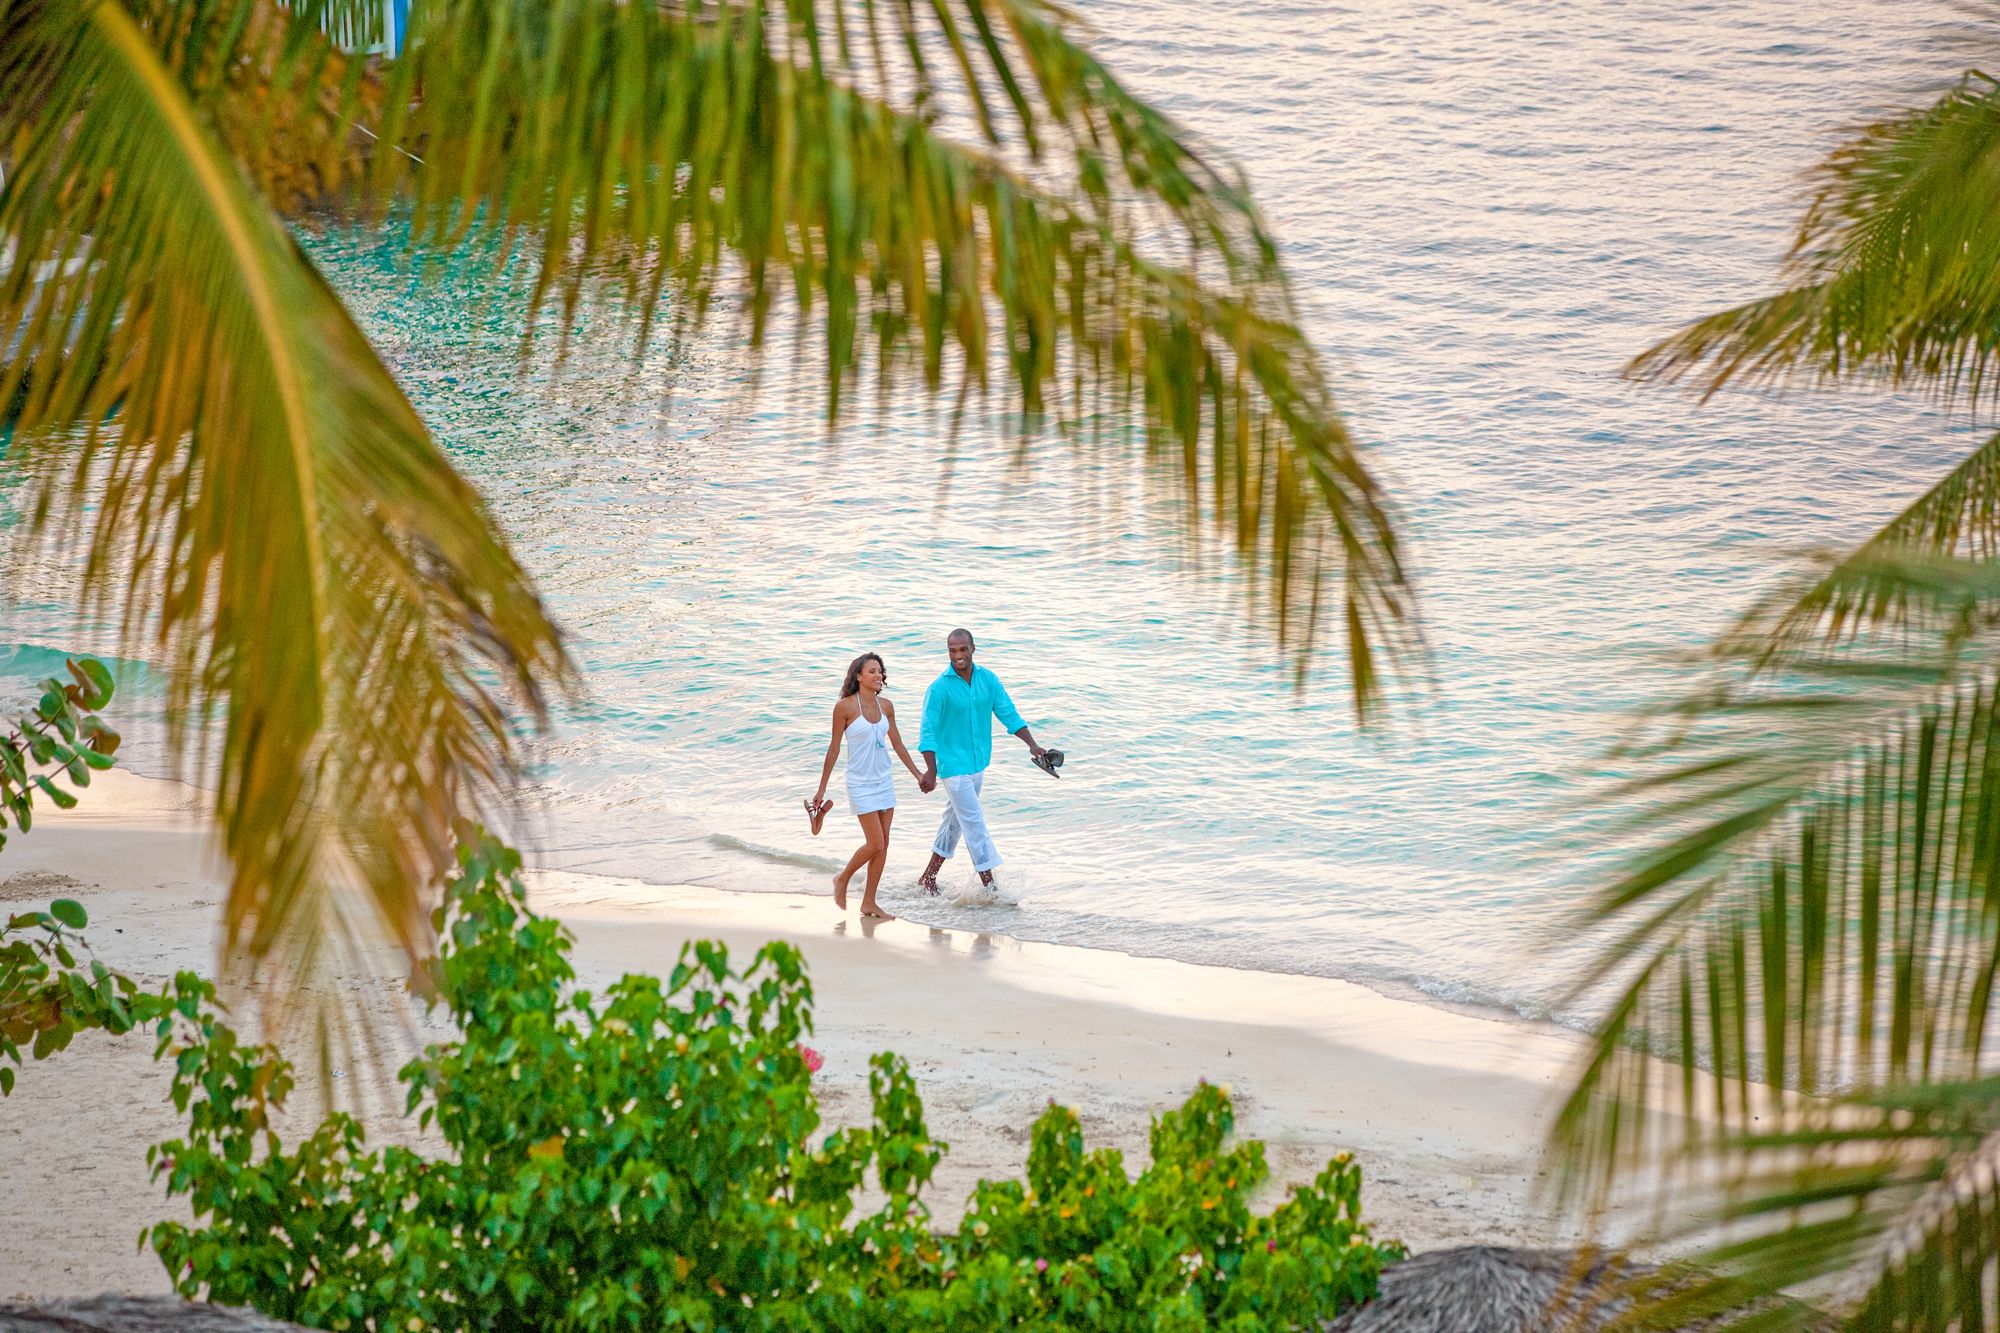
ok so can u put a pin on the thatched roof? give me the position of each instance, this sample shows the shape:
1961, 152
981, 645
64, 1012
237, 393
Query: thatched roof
1499, 1289
1493, 1289
136, 1314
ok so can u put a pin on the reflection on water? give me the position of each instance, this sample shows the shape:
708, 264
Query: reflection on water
1488, 207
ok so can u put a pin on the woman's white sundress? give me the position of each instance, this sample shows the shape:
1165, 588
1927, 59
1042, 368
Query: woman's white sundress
871, 785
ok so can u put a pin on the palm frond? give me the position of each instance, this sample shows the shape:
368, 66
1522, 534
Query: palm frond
261, 505
360, 628
1810, 909
1934, 1267
1891, 275
1071, 238
1885, 1207
1800, 988
1956, 521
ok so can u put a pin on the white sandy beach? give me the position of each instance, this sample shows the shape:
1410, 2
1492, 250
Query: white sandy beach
1445, 1111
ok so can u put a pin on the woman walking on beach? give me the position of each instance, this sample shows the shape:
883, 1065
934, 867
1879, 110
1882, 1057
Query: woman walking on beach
867, 722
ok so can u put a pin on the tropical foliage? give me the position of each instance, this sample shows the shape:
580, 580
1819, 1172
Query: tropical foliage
1807, 936
643, 1159
47, 995
57, 744
956, 195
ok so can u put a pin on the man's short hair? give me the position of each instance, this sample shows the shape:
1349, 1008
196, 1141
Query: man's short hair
964, 633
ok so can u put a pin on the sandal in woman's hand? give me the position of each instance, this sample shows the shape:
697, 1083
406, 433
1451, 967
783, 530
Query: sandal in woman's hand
816, 812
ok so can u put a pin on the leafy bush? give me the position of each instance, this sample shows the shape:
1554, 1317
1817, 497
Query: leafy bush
46, 995
641, 1160
61, 736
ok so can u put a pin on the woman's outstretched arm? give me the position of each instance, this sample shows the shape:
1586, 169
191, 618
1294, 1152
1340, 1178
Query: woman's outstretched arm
832, 752
896, 739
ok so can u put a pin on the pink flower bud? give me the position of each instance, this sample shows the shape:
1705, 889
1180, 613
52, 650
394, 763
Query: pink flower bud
1041, 1265
814, 1060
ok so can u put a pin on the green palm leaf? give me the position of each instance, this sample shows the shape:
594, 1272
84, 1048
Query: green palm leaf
1890, 275
1891, 278
1078, 243
1801, 987
1932, 1267
1815, 910
262, 506
1956, 520
361, 630
1885, 1206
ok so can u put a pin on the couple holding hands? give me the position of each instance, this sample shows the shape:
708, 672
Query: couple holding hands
956, 741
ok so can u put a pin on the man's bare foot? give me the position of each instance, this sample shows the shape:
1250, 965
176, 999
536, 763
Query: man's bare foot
928, 880
986, 878
874, 912
840, 893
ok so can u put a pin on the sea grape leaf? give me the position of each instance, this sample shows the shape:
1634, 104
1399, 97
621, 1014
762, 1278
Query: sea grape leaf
63, 800
95, 679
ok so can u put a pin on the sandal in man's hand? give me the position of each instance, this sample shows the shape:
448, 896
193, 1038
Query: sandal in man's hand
1048, 761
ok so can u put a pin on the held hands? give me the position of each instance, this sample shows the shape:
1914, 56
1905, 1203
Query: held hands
927, 781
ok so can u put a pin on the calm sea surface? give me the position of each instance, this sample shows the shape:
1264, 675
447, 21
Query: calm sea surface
1488, 207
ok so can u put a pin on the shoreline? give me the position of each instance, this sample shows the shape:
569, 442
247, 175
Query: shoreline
725, 861
1445, 1111
898, 897
1153, 983
722, 862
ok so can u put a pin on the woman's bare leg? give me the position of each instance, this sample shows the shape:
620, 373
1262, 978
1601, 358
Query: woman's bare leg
877, 842
854, 863
869, 907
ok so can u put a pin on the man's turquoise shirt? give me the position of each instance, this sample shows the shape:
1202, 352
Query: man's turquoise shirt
956, 724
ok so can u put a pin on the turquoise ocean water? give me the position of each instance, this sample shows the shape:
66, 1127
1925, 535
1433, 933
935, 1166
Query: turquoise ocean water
1487, 207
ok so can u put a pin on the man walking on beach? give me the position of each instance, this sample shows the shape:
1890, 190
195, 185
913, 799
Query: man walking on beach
956, 739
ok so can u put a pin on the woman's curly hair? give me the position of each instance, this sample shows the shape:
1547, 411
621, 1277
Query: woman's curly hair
852, 685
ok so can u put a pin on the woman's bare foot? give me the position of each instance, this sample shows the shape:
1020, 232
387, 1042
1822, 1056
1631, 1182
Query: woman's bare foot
840, 892
874, 912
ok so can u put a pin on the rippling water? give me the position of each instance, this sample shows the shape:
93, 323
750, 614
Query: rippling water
1488, 207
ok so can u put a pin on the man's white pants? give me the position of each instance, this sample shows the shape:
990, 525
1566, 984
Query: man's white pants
964, 816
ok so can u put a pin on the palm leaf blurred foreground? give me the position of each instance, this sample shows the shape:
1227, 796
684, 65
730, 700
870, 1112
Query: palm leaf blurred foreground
264, 513
1804, 944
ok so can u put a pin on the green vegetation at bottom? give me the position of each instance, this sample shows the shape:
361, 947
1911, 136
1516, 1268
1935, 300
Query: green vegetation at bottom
645, 1159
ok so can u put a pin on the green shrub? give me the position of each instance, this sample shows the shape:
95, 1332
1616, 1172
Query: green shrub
642, 1160
46, 995
60, 737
